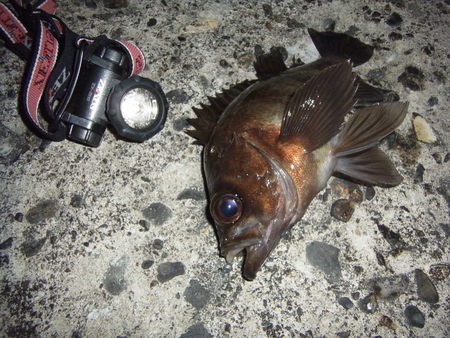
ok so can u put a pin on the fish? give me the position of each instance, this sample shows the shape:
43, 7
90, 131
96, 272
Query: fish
271, 144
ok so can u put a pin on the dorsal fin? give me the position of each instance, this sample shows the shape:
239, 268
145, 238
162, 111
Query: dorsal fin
269, 64
208, 114
316, 111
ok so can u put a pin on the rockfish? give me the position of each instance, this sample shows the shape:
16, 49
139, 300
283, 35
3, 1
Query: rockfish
271, 144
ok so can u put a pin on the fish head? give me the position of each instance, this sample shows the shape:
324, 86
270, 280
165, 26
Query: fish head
252, 201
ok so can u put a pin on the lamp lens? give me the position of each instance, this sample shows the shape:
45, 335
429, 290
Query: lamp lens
139, 108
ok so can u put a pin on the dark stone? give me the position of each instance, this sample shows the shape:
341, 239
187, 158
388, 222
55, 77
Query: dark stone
177, 96
412, 78
4, 260
418, 176
224, 64
114, 280
151, 22
393, 238
18, 217
425, 287
147, 264
77, 201
329, 25
325, 257
446, 228
267, 10
191, 194
144, 225
158, 213
196, 331
91, 4
447, 157
437, 157
345, 302
387, 322
344, 334
158, 244
42, 211
432, 101
346, 189
6, 244
370, 193
169, 270
32, 247
414, 317
114, 4
368, 304
180, 124
196, 294
292, 23
389, 287
342, 209
394, 36
394, 19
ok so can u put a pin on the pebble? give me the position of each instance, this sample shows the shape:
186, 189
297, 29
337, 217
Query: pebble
158, 213
6, 244
158, 244
191, 194
345, 302
18, 217
169, 270
387, 322
424, 132
370, 193
77, 201
394, 36
432, 101
177, 96
147, 264
196, 294
197, 330
151, 22
414, 317
439, 271
114, 280
412, 78
393, 238
394, 19
390, 287
425, 287
42, 211
446, 228
114, 4
418, 176
324, 257
342, 209
368, 304
346, 189
32, 247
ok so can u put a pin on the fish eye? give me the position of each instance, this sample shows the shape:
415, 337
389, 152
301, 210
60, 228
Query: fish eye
226, 208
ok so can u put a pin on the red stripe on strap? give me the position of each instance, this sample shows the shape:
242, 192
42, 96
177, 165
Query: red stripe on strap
137, 58
11, 26
48, 6
44, 62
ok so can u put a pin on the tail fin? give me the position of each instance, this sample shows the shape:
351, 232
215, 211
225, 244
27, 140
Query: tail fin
341, 45
355, 150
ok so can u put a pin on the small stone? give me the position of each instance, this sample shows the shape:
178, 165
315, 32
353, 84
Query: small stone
32, 247
196, 331
424, 132
346, 189
394, 19
425, 287
437, 157
191, 194
169, 270
292, 23
393, 238
151, 22
18, 217
158, 213
418, 176
387, 322
196, 294
224, 64
245, 60
177, 96
355, 295
158, 244
446, 228
6, 244
414, 317
394, 36
42, 211
342, 209
368, 304
390, 287
114, 280
345, 302
439, 271
370, 193
77, 201
147, 264
343, 334
412, 78
324, 257
432, 101
114, 4
267, 10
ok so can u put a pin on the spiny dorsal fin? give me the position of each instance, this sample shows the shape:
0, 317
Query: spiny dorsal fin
270, 64
316, 111
208, 115
341, 45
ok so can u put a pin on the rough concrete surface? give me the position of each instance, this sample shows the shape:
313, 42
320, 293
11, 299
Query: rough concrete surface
115, 241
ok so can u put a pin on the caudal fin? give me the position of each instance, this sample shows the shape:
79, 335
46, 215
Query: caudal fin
355, 150
341, 45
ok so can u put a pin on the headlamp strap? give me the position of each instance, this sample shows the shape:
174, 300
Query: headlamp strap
31, 30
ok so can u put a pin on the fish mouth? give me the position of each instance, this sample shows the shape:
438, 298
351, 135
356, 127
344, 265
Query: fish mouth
230, 251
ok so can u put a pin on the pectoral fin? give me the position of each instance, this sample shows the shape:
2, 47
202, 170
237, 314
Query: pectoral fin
316, 111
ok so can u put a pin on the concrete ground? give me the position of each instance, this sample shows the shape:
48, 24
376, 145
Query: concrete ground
115, 242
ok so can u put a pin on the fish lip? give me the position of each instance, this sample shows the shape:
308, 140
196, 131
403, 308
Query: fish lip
231, 250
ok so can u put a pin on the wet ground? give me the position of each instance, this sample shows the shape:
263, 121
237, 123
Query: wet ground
115, 241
